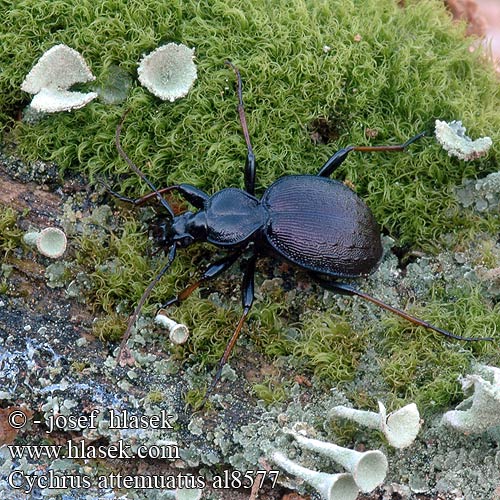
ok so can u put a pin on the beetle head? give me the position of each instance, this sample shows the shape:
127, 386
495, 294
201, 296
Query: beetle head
183, 230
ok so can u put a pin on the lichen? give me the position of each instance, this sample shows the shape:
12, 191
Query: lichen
168, 72
50, 79
10, 234
480, 410
453, 139
482, 194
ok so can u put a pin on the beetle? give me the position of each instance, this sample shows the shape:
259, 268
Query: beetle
312, 221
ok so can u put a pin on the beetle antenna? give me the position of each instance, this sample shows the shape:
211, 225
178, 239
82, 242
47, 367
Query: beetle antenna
123, 346
136, 169
241, 109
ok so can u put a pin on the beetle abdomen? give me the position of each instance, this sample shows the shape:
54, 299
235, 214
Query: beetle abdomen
322, 225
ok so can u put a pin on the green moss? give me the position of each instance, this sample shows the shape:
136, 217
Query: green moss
270, 391
156, 396
422, 366
10, 234
329, 347
345, 432
211, 327
195, 397
489, 254
407, 67
270, 324
390, 69
325, 346
79, 366
110, 327
120, 265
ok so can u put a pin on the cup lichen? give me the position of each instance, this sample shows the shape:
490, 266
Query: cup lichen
453, 139
368, 468
178, 333
50, 242
399, 427
168, 72
50, 79
480, 411
330, 486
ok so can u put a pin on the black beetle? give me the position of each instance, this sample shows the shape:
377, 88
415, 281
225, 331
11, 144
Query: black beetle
312, 221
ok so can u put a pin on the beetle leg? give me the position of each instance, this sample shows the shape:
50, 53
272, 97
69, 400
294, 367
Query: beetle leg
336, 160
193, 195
349, 290
211, 272
247, 297
250, 163
123, 345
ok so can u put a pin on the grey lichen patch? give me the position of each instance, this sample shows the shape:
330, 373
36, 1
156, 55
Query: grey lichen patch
41, 172
60, 67
259, 437
56, 274
483, 195
479, 411
444, 463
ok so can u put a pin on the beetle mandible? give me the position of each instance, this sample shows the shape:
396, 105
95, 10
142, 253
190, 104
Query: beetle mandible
311, 221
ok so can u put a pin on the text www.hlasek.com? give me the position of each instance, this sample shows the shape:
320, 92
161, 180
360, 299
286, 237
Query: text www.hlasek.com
81, 450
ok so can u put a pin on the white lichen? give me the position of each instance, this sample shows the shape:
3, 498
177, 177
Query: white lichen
52, 76
452, 138
178, 333
52, 101
329, 486
399, 427
183, 494
480, 411
50, 242
168, 72
368, 468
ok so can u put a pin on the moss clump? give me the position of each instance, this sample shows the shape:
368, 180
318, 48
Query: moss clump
79, 366
120, 262
155, 396
10, 234
422, 366
110, 327
120, 265
270, 391
323, 345
211, 326
391, 69
195, 397
329, 347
